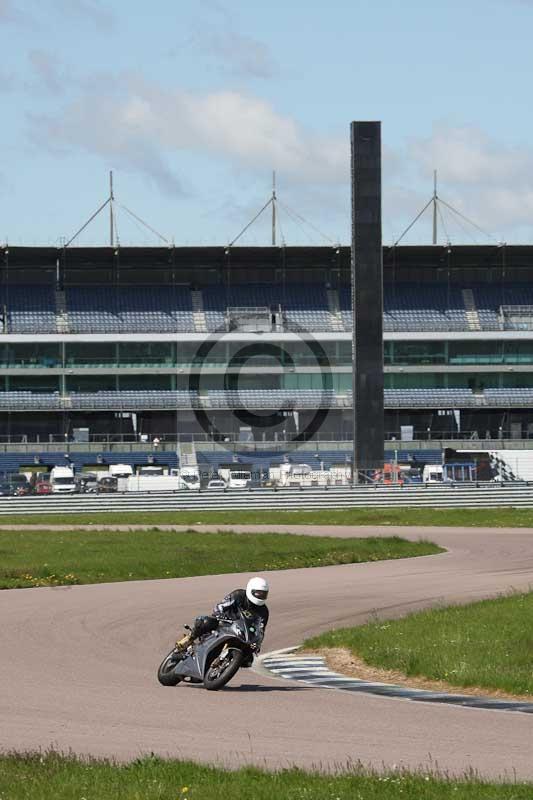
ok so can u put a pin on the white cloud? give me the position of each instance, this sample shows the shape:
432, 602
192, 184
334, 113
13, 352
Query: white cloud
489, 181
136, 125
468, 156
142, 126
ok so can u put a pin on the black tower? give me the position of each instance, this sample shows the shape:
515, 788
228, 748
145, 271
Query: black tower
367, 297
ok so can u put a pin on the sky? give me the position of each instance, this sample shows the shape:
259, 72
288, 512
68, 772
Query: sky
193, 104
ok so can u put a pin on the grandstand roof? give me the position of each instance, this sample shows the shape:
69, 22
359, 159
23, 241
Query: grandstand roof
187, 264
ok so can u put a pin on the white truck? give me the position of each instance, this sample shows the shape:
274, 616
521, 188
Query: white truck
287, 474
433, 473
235, 478
120, 470
62, 480
154, 479
189, 477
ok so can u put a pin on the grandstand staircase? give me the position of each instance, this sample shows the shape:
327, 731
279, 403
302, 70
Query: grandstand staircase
198, 313
472, 316
335, 310
61, 312
187, 454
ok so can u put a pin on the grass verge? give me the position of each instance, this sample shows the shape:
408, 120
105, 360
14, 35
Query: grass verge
484, 645
55, 558
43, 777
454, 517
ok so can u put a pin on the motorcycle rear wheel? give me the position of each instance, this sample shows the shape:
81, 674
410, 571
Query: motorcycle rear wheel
215, 676
165, 673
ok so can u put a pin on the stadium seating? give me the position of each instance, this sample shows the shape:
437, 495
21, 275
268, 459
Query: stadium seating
306, 308
272, 398
129, 309
498, 305
30, 309
12, 462
134, 399
508, 396
428, 398
246, 398
29, 400
415, 307
303, 307
215, 304
103, 309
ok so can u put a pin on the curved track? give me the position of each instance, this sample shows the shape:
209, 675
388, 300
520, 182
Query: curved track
77, 668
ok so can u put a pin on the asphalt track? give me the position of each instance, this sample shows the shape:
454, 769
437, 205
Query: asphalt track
77, 667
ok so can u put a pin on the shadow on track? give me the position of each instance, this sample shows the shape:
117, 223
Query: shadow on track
256, 687
252, 687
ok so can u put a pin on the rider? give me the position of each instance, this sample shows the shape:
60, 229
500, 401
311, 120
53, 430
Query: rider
249, 600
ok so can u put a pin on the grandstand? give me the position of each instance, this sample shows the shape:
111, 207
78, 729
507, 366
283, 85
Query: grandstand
129, 344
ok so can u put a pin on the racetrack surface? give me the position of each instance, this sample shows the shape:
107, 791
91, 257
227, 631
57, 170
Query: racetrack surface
78, 667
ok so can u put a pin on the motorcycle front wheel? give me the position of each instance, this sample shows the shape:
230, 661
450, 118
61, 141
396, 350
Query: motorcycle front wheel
165, 673
222, 668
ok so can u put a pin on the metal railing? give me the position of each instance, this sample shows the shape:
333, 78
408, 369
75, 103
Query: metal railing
168, 440
481, 495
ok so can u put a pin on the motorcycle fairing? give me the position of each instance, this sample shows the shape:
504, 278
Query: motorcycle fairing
193, 665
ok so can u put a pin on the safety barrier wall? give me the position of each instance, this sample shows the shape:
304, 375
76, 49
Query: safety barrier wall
483, 495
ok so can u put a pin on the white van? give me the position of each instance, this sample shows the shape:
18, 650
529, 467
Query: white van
62, 480
235, 478
433, 473
152, 471
120, 470
189, 478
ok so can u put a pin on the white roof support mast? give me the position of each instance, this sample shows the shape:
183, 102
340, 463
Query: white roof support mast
113, 231
438, 204
111, 211
435, 198
274, 200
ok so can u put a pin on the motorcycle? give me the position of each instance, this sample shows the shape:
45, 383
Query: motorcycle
216, 656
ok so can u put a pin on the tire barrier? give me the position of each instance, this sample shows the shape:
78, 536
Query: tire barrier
482, 495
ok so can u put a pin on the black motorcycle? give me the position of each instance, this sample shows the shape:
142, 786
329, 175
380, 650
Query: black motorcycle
215, 657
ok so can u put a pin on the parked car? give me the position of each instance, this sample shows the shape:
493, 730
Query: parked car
42, 487
216, 483
107, 484
6, 489
38, 477
87, 482
19, 483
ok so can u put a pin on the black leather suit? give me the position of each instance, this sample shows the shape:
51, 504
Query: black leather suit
229, 609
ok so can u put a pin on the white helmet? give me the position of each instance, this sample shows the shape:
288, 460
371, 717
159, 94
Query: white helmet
257, 591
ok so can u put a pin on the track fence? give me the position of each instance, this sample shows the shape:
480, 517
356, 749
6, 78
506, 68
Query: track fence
482, 495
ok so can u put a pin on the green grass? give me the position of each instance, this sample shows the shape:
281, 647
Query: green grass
487, 644
53, 558
52, 777
469, 517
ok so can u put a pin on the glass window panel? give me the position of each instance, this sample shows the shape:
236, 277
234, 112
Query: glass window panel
146, 353
32, 354
419, 353
90, 354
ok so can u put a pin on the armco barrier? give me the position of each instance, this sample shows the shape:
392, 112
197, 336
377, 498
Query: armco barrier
483, 495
